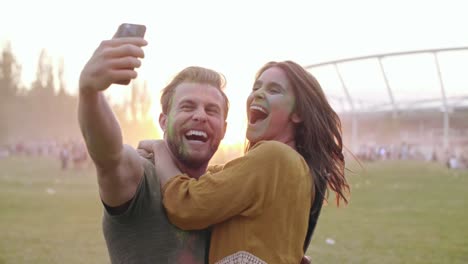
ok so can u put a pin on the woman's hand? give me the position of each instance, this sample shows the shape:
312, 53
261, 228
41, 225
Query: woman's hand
145, 149
162, 158
305, 260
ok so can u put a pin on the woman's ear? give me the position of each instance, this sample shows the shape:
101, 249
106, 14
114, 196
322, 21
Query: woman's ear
296, 119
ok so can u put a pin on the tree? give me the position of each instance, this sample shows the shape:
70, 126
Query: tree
140, 102
134, 114
10, 74
62, 84
43, 104
43, 86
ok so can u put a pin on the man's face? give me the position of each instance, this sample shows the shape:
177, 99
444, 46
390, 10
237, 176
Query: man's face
194, 125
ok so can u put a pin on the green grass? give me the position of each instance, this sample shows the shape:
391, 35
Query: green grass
400, 212
37, 227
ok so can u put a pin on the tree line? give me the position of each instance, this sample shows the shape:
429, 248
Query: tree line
44, 110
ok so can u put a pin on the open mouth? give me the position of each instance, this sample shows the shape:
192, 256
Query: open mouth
257, 114
196, 135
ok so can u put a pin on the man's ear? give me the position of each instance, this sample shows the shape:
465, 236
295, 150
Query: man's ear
163, 121
225, 127
296, 119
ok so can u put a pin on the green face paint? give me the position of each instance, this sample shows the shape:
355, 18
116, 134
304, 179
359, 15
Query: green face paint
175, 140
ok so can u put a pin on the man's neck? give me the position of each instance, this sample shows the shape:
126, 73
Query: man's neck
192, 172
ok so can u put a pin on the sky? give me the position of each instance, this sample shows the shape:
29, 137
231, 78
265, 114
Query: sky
238, 37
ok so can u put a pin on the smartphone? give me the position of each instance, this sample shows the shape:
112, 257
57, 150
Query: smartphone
130, 30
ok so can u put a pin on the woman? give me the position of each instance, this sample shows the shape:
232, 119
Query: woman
263, 206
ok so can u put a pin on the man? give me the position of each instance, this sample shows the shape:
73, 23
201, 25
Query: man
135, 226
193, 118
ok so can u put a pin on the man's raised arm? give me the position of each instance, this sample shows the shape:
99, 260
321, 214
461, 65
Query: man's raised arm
118, 167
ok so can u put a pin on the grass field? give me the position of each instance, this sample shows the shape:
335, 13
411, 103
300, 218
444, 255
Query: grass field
399, 213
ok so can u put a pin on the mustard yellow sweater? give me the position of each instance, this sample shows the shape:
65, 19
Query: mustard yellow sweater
258, 203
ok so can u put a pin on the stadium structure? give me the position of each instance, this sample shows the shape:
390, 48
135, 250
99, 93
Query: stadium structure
405, 103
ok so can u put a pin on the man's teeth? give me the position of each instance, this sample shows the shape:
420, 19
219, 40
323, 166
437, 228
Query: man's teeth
254, 107
196, 133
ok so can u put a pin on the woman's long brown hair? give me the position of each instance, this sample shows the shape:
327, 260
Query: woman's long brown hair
318, 137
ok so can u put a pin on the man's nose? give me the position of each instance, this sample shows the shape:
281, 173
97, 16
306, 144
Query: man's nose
200, 115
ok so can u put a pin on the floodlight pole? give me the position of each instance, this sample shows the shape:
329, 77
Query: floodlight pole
354, 125
389, 90
446, 138
446, 125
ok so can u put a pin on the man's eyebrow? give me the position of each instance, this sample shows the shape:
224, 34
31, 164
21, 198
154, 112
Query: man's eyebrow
217, 106
186, 101
191, 102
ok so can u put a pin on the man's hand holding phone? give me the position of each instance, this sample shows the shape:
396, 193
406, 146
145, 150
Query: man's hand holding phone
115, 60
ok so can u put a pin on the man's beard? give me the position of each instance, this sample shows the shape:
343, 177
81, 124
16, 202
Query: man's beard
180, 153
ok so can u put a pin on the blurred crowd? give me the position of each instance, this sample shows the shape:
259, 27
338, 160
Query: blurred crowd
73, 153
69, 153
453, 159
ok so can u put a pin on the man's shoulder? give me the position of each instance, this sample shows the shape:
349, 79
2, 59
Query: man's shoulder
149, 171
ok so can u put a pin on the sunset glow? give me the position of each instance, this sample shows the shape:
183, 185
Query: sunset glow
232, 37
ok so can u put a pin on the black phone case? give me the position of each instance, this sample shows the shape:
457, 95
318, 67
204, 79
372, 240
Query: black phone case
130, 30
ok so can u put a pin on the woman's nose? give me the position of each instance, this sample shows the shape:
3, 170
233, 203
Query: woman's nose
259, 94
